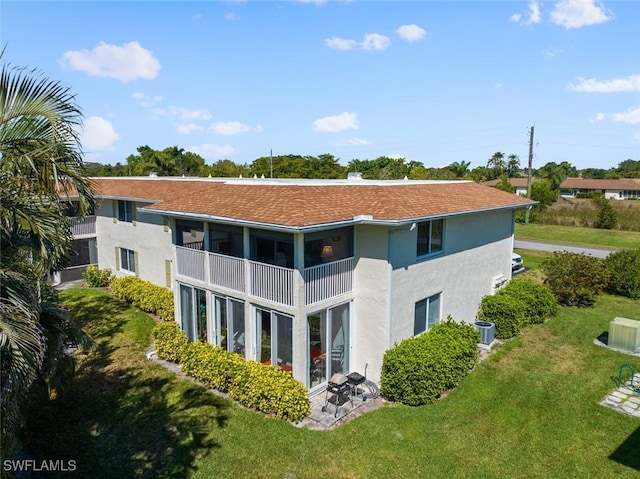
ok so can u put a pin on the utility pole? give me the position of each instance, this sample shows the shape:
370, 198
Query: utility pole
530, 167
271, 162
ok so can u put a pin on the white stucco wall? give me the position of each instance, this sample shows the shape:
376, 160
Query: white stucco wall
370, 320
147, 237
477, 250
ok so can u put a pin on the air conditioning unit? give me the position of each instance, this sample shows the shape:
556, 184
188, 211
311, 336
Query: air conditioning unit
487, 331
624, 334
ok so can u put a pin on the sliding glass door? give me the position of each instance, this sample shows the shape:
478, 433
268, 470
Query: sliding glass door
274, 338
229, 329
193, 313
328, 333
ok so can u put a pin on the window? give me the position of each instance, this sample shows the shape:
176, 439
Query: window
427, 313
128, 260
429, 237
84, 252
193, 313
125, 211
190, 234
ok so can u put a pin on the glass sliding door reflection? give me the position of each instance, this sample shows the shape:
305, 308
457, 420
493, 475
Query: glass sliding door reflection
339, 334
229, 324
274, 339
186, 311
328, 333
317, 330
201, 324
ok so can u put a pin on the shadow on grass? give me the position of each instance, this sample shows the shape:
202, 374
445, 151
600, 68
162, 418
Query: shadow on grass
124, 416
627, 452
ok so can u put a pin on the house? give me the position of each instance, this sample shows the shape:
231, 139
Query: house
622, 189
317, 276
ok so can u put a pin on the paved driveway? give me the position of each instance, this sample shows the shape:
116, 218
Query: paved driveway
551, 247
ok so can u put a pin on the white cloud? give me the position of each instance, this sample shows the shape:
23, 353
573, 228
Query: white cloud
371, 41
186, 128
532, 16
630, 116
98, 134
212, 152
579, 13
375, 41
355, 141
341, 43
314, 2
497, 86
591, 85
411, 33
230, 17
188, 114
232, 128
147, 101
335, 123
551, 52
125, 63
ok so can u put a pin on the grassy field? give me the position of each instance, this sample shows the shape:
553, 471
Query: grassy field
530, 410
614, 239
584, 212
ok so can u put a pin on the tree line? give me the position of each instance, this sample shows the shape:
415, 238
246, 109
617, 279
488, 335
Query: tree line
175, 161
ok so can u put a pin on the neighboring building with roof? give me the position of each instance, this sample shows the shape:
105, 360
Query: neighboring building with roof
317, 276
622, 189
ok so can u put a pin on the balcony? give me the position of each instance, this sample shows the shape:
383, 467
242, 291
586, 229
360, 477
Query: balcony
83, 226
265, 281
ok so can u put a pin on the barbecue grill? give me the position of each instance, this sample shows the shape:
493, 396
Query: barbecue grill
355, 380
338, 387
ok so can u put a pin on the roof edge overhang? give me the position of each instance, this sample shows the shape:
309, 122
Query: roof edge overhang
357, 220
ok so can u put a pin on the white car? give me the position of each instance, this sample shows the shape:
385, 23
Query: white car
516, 262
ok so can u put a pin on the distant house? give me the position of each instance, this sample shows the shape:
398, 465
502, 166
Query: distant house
622, 189
316, 276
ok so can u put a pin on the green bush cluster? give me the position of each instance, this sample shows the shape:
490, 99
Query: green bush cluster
607, 216
97, 278
518, 304
624, 273
264, 388
144, 295
419, 369
575, 279
169, 341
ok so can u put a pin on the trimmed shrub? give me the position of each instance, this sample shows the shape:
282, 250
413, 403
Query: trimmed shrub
575, 279
97, 278
144, 295
419, 369
169, 340
506, 312
264, 388
624, 271
541, 303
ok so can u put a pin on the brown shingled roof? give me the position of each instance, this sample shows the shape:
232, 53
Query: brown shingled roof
301, 204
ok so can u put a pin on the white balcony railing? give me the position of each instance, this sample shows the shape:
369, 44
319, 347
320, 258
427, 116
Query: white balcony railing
190, 262
226, 271
83, 226
272, 283
266, 281
328, 280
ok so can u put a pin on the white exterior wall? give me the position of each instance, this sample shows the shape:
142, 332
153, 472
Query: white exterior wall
146, 235
477, 251
371, 307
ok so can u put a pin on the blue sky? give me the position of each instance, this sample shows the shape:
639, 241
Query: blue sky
434, 82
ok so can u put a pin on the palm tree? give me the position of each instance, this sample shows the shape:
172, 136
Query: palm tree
496, 163
460, 168
513, 165
40, 165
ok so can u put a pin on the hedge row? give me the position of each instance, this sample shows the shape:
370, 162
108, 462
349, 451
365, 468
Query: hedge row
144, 295
264, 388
97, 278
418, 370
518, 304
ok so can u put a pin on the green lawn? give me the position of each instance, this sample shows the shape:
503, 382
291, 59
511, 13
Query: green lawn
530, 410
614, 239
